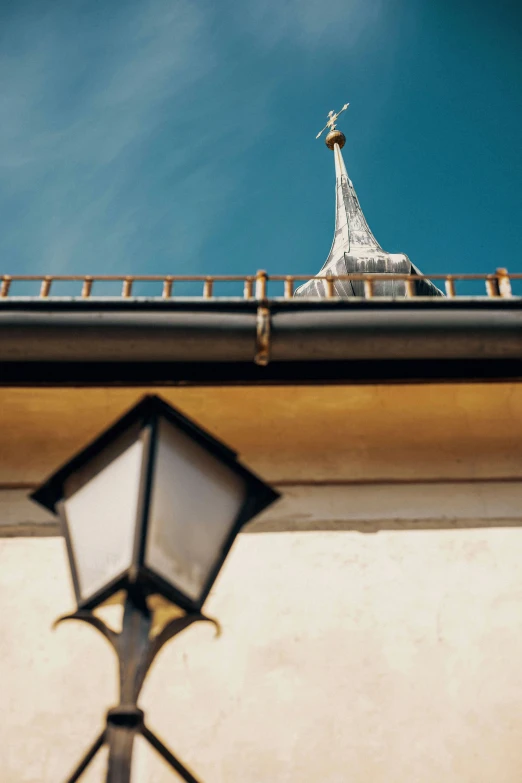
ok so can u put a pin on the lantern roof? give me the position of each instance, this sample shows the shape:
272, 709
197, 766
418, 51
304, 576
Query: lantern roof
51, 491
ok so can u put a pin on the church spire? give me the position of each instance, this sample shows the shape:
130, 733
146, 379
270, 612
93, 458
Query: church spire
354, 248
352, 232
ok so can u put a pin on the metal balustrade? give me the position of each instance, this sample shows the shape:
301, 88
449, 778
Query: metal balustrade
498, 284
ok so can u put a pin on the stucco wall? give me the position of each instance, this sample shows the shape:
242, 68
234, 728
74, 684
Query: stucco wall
372, 620
386, 657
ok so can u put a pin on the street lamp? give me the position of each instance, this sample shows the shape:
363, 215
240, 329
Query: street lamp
149, 510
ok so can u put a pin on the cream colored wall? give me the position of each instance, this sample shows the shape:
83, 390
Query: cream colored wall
385, 657
372, 620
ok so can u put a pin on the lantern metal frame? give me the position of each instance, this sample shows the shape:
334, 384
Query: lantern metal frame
135, 645
142, 421
135, 650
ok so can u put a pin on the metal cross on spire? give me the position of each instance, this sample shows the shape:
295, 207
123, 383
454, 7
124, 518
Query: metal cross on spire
332, 120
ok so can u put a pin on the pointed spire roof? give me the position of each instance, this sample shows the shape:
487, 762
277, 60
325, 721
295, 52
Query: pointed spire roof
354, 248
352, 232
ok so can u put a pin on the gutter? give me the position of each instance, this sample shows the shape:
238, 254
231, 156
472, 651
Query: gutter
318, 334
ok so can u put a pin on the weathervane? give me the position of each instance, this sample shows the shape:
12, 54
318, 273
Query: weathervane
332, 120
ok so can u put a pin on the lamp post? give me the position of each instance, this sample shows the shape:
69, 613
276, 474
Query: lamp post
149, 510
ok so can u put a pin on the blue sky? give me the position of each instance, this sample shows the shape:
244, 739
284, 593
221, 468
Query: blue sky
169, 136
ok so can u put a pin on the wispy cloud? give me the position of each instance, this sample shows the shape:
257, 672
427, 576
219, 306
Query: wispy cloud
310, 24
119, 121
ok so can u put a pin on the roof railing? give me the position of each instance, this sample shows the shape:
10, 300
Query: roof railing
255, 286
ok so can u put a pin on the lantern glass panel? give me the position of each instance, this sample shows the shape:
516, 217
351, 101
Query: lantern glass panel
195, 502
101, 519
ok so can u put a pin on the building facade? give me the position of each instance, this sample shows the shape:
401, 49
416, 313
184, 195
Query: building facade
372, 618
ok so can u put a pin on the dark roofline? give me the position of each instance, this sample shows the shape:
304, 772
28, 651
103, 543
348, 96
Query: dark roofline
148, 342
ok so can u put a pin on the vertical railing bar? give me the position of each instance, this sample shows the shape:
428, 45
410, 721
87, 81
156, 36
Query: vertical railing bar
289, 287
45, 287
87, 287
167, 288
261, 281
248, 290
449, 285
409, 287
207, 288
330, 289
504, 283
368, 288
6, 284
492, 288
127, 287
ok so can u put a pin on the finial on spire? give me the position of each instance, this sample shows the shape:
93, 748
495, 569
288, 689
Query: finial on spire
334, 136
